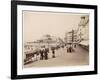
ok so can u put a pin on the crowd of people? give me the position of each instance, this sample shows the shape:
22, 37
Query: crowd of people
70, 48
44, 51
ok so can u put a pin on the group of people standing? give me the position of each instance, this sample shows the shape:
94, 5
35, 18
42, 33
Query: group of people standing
44, 53
70, 48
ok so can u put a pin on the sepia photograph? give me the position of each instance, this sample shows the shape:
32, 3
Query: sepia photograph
55, 39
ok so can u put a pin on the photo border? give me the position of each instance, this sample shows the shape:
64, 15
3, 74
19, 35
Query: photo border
14, 56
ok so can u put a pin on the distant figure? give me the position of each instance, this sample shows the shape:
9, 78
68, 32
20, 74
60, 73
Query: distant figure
75, 46
46, 54
70, 49
41, 54
47, 50
53, 52
67, 49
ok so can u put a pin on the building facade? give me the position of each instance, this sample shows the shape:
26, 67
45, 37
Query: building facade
71, 37
83, 32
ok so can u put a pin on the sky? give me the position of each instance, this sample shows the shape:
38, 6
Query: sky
37, 24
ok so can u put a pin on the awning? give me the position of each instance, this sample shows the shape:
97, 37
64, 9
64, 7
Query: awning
85, 43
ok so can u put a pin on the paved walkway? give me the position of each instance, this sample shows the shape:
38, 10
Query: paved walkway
79, 57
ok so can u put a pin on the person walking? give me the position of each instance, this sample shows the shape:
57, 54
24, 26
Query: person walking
41, 54
53, 52
70, 48
46, 54
67, 49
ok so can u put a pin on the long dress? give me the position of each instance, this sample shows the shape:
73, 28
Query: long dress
46, 54
53, 52
41, 55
